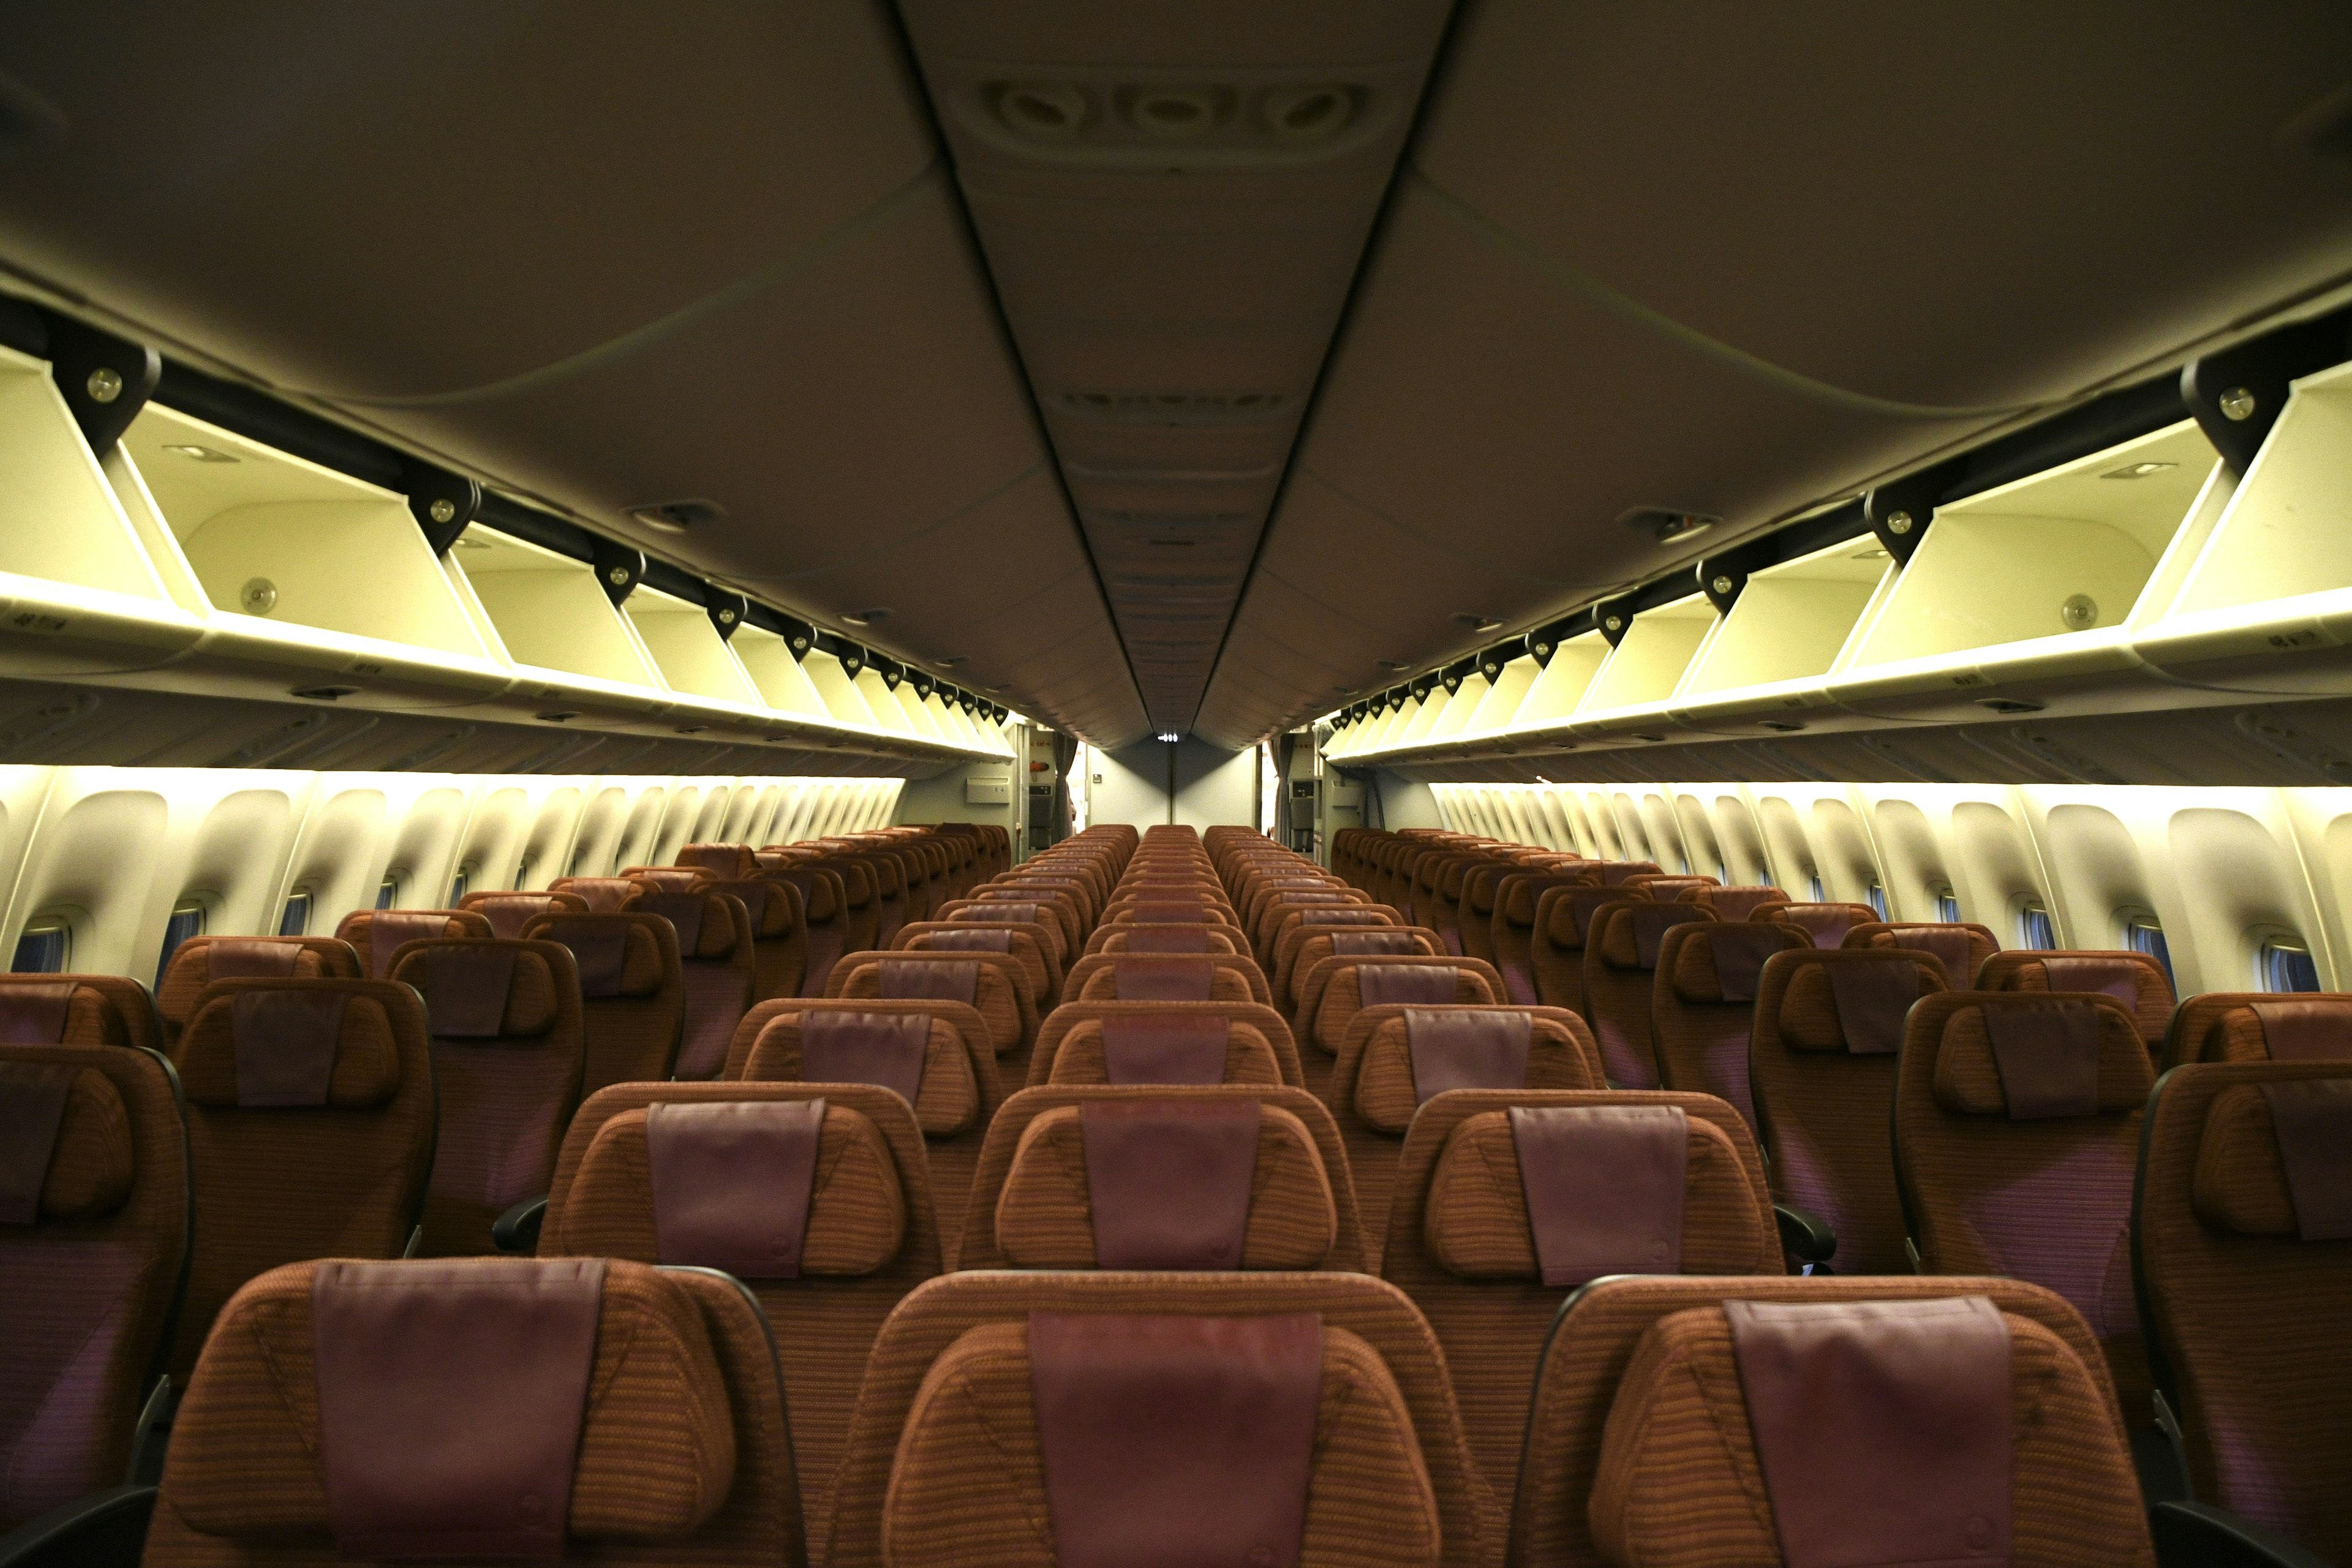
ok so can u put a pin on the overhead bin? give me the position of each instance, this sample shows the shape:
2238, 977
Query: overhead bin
555, 622
693, 659
2028, 596
2266, 603
82, 591
1767, 669
777, 675
1632, 685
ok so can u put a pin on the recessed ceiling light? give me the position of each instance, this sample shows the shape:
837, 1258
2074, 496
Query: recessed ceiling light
1395, 664
865, 617
1476, 622
2137, 470
676, 516
202, 454
1666, 524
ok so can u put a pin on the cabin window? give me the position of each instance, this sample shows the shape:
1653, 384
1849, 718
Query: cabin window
42, 948
1813, 888
387, 894
457, 885
294, 919
1947, 905
1877, 896
2143, 935
187, 919
2285, 966
2034, 927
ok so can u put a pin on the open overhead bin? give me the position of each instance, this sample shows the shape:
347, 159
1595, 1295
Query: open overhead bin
1768, 667
1655, 647
2028, 596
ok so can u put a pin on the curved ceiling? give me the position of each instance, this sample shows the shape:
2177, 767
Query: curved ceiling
1178, 367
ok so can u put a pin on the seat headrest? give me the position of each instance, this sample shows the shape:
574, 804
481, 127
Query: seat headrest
1723, 960
773, 905
1962, 949
404, 1408
2274, 1159
603, 895
298, 1043
1166, 1183
1826, 923
984, 939
618, 955
1736, 903
1632, 936
1405, 982
70, 1009
730, 862
1478, 1222
477, 988
377, 934
1265, 1440
1568, 911
1852, 1000
709, 1181
1883, 1431
67, 1154
507, 911
2032, 1057
705, 922
201, 960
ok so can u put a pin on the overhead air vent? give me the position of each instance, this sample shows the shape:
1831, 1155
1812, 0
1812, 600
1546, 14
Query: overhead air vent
1130, 117
1174, 408
1667, 525
678, 516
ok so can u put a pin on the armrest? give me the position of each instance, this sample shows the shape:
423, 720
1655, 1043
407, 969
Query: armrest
1804, 1237
2196, 1535
104, 1530
517, 1230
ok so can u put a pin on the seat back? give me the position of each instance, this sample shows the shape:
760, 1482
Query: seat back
717, 964
507, 911
310, 1123
1080, 1439
1703, 1004
1167, 977
1057, 903
376, 934
1504, 1200
1041, 920
94, 1223
2241, 1226
1165, 937
1512, 930
77, 1010
1555, 943
1621, 949
2135, 979
1957, 946
1309, 945
2017, 1123
1023, 943
508, 1055
1292, 926
643, 1404
824, 902
602, 895
1105, 1042
726, 862
826, 1215
2260, 1027
1340, 987
1394, 1060
1643, 1443
632, 994
993, 982
201, 960
1732, 903
1820, 1068
780, 936
1229, 1176
936, 1056
1825, 924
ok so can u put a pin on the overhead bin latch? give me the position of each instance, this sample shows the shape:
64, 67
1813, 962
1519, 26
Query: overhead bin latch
2238, 394
618, 569
726, 610
105, 380
442, 502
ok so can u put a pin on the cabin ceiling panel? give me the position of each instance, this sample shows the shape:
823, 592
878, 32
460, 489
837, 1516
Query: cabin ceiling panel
600, 257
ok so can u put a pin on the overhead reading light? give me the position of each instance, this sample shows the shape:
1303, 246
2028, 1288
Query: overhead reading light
1171, 738
678, 516
202, 454
1396, 664
1666, 524
1476, 622
2137, 470
951, 661
865, 617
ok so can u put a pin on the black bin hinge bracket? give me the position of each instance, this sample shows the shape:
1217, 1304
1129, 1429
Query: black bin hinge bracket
105, 380
1900, 510
1615, 618
726, 611
442, 502
2238, 394
619, 568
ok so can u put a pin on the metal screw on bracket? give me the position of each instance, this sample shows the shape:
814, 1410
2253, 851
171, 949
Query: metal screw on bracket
443, 509
617, 575
1898, 522
1543, 647
1615, 622
2237, 405
726, 617
105, 385
800, 642
1720, 584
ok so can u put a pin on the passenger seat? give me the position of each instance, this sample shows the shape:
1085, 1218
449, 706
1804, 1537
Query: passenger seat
1621, 949
376, 934
201, 960
1961, 948
994, 983
1165, 1043
1826, 923
717, 964
507, 911
1703, 1003
77, 1010
2134, 979
2261, 1026
632, 996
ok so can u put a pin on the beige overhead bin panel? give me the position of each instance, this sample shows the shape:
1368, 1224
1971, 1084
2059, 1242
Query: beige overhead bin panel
312, 577
2266, 605
570, 645
883, 703
910, 703
1507, 688
1630, 689
82, 592
2030, 595
783, 684
1461, 702
1769, 665
1559, 689
1424, 716
694, 662
838, 689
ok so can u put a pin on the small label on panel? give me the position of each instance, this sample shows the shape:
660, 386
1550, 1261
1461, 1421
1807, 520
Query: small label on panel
988, 792
38, 622
363, 667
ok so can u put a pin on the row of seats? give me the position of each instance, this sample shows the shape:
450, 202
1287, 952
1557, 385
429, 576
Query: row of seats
819, 1173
